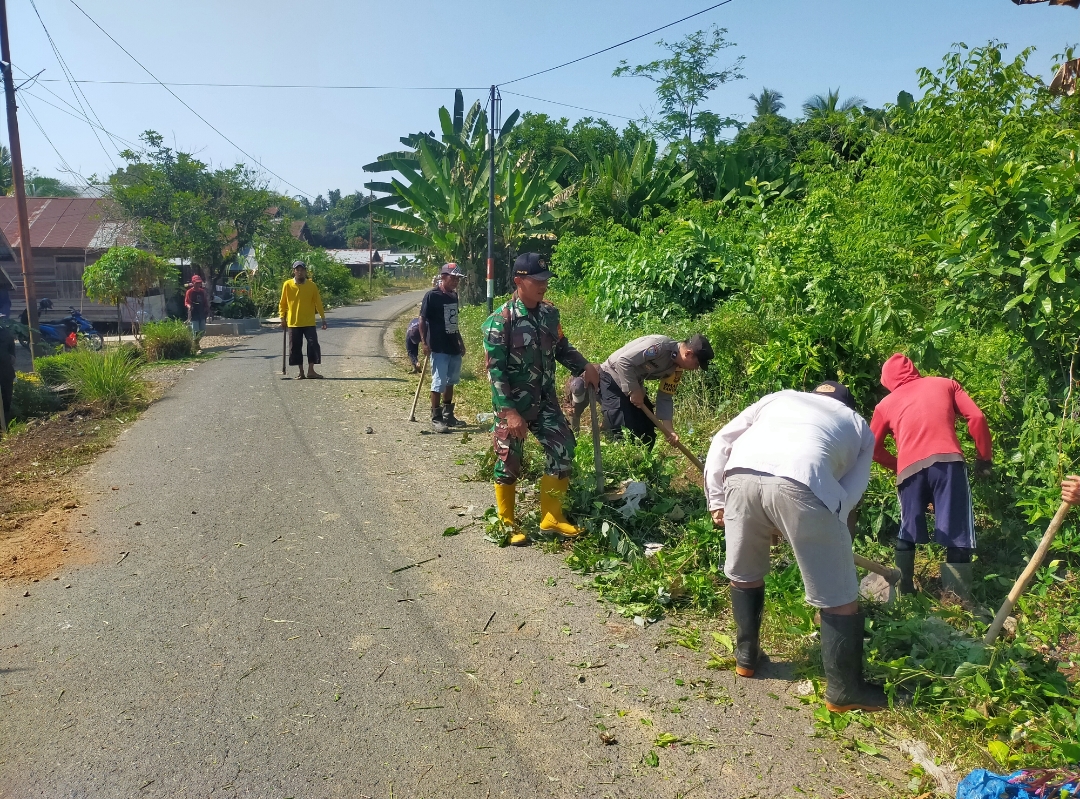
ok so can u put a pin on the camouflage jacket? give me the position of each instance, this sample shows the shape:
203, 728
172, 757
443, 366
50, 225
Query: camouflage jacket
522, 347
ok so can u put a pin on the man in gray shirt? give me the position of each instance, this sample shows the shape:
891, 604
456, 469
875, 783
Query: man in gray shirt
623, 376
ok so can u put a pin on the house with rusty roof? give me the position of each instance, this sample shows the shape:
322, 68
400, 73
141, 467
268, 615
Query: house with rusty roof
66, 234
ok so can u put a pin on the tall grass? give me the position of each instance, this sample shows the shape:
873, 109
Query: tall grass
105, 381
167, 339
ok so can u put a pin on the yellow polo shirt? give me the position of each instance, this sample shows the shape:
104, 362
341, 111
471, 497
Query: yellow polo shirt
299, 303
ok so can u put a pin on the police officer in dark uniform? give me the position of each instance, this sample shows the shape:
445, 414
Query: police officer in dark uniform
623, 376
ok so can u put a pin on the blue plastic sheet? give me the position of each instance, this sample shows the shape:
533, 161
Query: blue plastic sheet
983, 784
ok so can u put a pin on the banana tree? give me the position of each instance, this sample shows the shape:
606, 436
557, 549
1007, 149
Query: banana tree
622, 188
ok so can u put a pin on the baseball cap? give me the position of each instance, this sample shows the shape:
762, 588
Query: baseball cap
196, 279
838, 391
299, 264
451, 269
531, 264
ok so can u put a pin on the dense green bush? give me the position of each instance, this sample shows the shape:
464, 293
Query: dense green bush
50, 368
32, 397
167, 339
106, 381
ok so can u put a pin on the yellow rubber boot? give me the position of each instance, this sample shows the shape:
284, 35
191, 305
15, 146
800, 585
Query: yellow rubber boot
504, 501
552, 491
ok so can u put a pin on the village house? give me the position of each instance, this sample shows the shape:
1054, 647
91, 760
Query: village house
66, 234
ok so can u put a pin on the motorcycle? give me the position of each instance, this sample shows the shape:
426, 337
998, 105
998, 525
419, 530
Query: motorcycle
66, 333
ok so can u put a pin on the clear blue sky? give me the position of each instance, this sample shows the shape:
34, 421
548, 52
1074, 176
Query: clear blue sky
319, 139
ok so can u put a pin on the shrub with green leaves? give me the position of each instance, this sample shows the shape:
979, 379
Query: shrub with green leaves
167, 340
106, 381
32, 397
50, 368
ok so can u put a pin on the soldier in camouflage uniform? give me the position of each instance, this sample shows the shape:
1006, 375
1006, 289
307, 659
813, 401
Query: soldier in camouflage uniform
523, 340
623, 376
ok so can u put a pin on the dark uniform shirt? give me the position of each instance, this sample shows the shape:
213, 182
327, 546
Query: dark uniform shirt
647, 358
522, 348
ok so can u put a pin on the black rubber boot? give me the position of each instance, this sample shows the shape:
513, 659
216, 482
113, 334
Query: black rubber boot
842, 656
905, 562
747, 605
437, 423
448, 416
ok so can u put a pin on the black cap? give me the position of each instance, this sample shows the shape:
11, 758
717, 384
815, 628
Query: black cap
531, 264
451, 269
702, 349
299, 265
838, 391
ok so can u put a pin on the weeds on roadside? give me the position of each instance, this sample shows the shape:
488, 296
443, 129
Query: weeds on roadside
167, 339
106, 381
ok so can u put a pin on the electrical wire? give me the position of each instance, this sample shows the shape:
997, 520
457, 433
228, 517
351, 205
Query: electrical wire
188, 107
275, 85
620, 44
567, 105
75, 89
79, 116
67, 168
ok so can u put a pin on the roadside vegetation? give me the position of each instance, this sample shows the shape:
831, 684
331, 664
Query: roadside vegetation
813, 248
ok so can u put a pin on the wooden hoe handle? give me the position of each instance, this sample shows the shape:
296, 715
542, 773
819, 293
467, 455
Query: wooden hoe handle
1021, 584
685, 450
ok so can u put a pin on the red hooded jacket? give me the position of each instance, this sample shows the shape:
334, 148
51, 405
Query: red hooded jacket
920, 414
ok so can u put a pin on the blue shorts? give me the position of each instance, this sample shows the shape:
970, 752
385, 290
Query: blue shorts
946, 485
445, 371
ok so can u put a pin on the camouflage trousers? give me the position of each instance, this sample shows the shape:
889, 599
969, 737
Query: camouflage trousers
555, 436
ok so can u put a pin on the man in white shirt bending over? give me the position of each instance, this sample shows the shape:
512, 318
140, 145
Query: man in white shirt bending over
797, 463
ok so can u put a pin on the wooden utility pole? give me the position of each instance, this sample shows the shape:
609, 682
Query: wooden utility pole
26, 255
491, 206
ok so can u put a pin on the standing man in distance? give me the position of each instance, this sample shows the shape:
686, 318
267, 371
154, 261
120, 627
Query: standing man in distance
920, 414
623, 376
523, 339
799, 463
441, 340
300, 301
197, 302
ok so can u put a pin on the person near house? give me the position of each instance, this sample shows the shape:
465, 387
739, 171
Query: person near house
7, 369
300, 301
920, 415
412, 342
798, 463
197, 302
523, 339
440, 338
623, 376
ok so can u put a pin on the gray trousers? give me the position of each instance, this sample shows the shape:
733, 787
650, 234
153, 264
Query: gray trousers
758, 505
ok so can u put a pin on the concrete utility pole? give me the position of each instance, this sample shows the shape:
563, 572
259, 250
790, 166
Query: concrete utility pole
371, 198
491, 208
26, 255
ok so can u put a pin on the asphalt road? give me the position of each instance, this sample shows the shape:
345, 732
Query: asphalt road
266, 633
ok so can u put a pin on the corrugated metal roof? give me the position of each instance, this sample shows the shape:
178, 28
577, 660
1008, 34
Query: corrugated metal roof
62, 223
349, 257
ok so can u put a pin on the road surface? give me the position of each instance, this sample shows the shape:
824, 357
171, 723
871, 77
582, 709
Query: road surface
253, 624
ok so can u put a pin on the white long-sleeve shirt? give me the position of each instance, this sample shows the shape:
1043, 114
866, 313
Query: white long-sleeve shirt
809, 438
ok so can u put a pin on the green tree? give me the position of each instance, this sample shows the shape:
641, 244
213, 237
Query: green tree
184, 209
829, 103
41, 186
684, 82
768, 102
5, 170
124, 276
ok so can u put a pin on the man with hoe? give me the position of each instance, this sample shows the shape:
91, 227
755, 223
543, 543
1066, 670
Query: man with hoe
798, 463
523, 339
623, 376
441, 339
920, 414
300, 301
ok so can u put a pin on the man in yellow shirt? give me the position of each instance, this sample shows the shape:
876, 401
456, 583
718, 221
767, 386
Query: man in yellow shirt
300, 301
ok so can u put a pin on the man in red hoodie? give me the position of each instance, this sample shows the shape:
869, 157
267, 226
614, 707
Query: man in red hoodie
920, 414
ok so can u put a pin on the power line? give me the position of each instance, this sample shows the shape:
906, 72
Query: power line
188, 107
323, 86
567, 105
620, 44
79, 116
75, 89
63, 161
